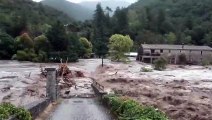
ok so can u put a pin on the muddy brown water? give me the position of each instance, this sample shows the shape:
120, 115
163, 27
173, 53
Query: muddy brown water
69, 109
81, 109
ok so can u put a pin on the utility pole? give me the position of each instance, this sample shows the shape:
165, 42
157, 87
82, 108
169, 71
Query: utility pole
102, 61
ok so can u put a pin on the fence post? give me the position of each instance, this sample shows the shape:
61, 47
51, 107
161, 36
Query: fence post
51, 84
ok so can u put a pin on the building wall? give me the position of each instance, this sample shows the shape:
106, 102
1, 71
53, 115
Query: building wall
193, 56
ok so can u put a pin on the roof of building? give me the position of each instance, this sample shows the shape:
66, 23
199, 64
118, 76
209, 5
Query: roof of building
176, 47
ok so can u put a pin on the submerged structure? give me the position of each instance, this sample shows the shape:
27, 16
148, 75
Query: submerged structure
194, 54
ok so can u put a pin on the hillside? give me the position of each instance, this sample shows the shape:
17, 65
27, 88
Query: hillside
73, 10
17, 16
172, 21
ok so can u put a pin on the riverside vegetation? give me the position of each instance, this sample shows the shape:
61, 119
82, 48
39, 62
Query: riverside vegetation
127, 109
7, 110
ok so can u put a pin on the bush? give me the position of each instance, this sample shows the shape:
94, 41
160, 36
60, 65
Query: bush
160, 64
182, 59
26, 55
7, 109
205, 63
21, 55
127, 109
29, 55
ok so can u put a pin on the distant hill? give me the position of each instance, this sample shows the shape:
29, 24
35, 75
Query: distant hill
73, 10
31, 9
113, 4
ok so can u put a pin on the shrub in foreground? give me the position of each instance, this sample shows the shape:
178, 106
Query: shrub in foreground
7, 110
127, 109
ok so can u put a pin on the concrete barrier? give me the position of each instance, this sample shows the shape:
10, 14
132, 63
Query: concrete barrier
35, 108
98, 89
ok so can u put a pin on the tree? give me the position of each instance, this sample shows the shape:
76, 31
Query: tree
6, 46
87, 47
170, 38
100, 40
41, 43
120, 20
118, 46
57, 37
208, 39
24, 41
160, 63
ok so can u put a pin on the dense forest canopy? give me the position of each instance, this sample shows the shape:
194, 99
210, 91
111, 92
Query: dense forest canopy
172, 21
18, 16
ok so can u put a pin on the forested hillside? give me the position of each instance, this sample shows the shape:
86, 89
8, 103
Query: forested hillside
17, 16
30, 31
171, 21
73, 10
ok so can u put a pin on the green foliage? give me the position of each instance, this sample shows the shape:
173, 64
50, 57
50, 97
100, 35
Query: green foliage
101, 31
87, 47
170, 38
160, 63
182, 59
170, 21
119, 45
19, 16
7, 109
127, 109
58, 37
24, 41
41, 43
26, 55
6, 46
30, 55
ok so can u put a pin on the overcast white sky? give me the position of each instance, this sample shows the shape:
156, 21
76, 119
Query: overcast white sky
78, 1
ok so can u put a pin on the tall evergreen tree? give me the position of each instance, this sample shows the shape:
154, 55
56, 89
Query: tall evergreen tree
121, 21
57, 37
100, 40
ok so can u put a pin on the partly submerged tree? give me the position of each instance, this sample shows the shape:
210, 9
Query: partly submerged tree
41, 43
24, 41
87, 47
118, 46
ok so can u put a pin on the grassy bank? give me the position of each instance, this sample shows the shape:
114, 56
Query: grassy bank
127, 109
